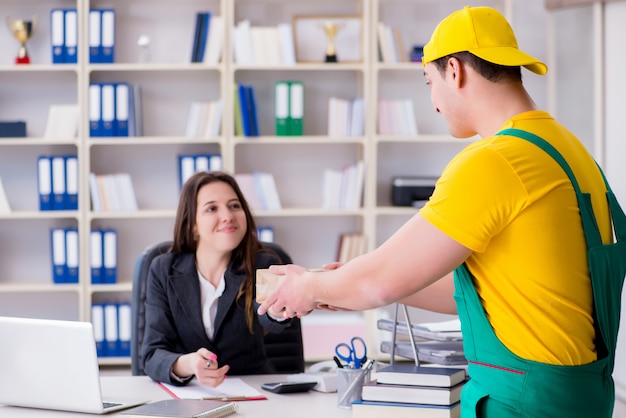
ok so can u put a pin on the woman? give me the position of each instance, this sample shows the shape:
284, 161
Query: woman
200, 308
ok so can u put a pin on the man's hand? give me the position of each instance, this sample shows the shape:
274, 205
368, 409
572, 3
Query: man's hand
294, 297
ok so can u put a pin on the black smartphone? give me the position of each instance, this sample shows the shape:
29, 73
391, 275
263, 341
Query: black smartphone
288, 387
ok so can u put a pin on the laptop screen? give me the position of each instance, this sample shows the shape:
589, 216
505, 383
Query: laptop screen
50, 364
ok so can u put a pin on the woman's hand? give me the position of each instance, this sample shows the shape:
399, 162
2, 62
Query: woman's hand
202, 363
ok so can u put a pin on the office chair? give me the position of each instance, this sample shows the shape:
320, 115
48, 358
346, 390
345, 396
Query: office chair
284, 349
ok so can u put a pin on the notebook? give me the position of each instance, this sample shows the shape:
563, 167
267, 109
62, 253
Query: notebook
184, 408
52, 364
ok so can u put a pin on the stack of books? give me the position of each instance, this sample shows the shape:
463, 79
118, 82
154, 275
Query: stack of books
406, 390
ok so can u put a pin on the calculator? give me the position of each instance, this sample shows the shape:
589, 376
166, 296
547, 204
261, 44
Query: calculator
288, 387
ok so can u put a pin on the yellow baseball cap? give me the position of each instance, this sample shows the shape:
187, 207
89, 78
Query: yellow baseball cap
484, 32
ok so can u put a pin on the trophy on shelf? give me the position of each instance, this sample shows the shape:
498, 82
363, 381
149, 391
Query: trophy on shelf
22, 30
331, 29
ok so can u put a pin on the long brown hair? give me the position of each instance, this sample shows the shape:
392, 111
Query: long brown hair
243, 257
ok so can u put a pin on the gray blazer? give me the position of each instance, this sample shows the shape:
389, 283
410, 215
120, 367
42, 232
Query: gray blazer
174, 320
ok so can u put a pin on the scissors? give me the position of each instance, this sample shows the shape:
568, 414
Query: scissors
354, 354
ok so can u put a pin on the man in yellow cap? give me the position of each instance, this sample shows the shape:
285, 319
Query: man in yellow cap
517, 239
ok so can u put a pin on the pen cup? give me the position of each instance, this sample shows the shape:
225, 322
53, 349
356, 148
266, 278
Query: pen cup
350, 385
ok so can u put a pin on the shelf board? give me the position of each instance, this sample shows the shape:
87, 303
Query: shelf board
114, 361
297, 140
143, 67
39, 68
305, 212
150, 140
113, 287
422, 138
139, 214
44, 214
356, 66
38, 287
400, 66
37, 141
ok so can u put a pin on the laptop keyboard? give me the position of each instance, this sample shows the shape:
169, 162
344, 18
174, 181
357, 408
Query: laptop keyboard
106, 405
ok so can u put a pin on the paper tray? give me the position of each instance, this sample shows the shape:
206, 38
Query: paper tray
421, 332
446, 353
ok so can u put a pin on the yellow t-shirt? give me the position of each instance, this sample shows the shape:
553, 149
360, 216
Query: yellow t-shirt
515, 208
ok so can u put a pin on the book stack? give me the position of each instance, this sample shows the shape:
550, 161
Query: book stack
390, 44
351, 245
208, 38
260, 190
263, 45
406, 390
112, 192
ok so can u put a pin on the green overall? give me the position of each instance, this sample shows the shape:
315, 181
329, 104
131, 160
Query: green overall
503, 385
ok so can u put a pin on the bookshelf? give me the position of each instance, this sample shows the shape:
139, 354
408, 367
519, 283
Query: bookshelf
169, 84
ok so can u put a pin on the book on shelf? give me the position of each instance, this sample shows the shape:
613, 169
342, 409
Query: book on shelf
351, 245
343, 189
410, 374
438, 331
204, 119
183, 408
438, 352
433, 395
373, 409
396, 117
260, 190
112, 192
62, 122
213, 53
201, 33
5, 207
346, 117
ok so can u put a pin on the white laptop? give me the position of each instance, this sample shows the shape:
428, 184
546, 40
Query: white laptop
52, 364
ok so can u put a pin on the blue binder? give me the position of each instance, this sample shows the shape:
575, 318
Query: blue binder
107, 110
204, 33
70, 44
107, 37
111, 327
44, 182
95, 110
71, 182
57, 35
251, 104
109, 248
71, 255
122, 109
57, 252
97, 319
59, 192
94, 36
124, 322
244, 104
96, 254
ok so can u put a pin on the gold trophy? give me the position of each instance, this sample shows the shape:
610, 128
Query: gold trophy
331, 29
22, 30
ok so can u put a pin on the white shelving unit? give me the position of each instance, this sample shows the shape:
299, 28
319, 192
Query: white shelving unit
169, 83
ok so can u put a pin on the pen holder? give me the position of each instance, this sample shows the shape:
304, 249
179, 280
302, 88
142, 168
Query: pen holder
350, 385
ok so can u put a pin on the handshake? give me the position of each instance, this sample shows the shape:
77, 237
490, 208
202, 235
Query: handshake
266, 283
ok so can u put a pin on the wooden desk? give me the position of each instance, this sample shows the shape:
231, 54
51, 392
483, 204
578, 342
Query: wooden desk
303, 405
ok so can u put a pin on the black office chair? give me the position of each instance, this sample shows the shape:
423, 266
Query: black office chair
284, 349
